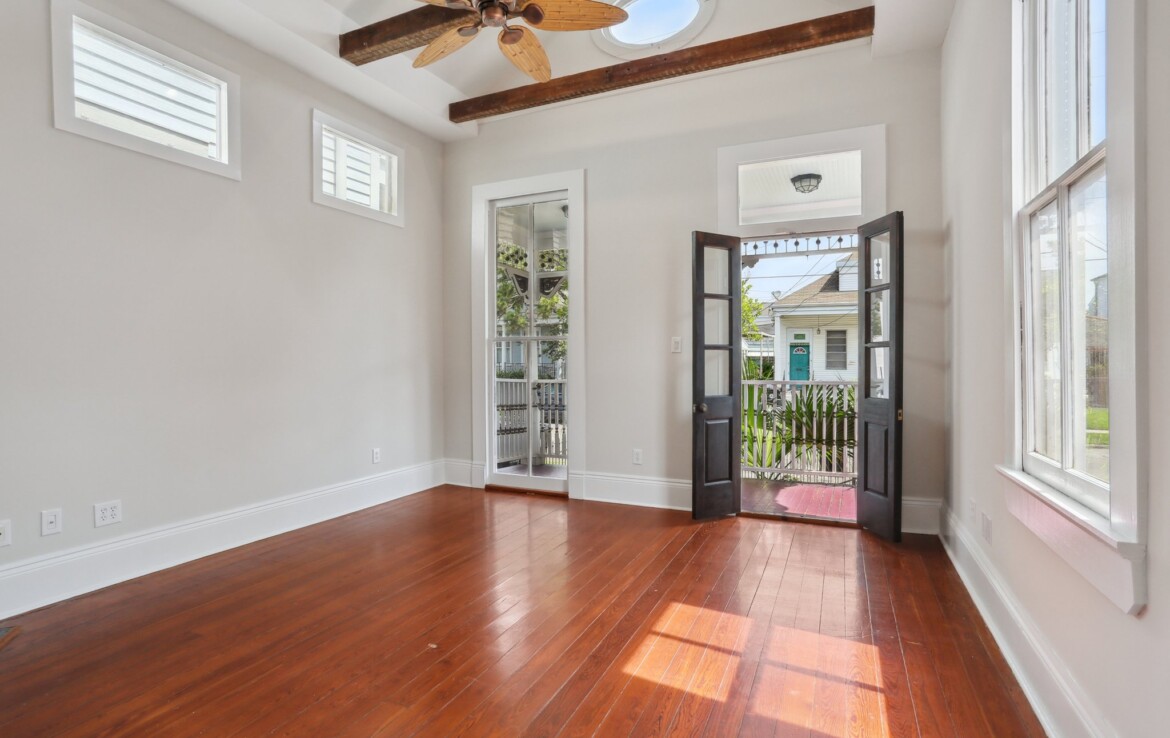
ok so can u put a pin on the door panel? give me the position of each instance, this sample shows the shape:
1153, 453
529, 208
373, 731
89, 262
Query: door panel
798, 362
716, 376
879, 478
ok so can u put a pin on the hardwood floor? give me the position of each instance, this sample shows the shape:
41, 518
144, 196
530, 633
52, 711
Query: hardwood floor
459, 612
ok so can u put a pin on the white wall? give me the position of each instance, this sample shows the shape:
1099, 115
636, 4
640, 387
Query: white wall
187, 343
650, 161
1091, 669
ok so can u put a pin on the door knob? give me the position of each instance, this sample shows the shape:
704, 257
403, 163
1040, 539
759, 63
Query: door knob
702, 407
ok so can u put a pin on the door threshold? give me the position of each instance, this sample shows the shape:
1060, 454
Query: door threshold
831, 522
521, 491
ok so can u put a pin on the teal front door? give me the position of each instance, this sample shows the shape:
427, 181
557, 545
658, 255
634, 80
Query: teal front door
798, 362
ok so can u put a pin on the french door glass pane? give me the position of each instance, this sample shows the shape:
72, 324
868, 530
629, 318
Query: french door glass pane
1060, 103
717, 322
879, 315
716, 271
878, 386
512, 409
717, 373
1046, 337
1090, 335
879, 260
550, 451
551, 235
513, 275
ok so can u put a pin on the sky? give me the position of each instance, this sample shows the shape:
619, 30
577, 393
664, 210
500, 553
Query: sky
654, 20
788, 273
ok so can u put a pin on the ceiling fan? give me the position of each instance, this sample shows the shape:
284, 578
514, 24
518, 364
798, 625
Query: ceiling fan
519, 44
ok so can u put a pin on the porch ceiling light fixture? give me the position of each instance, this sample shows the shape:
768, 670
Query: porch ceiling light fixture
806, 183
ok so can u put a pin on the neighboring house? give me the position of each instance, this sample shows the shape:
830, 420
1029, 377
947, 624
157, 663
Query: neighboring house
816, 328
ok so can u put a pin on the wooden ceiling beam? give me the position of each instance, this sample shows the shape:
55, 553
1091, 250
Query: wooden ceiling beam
401, 33
831, 29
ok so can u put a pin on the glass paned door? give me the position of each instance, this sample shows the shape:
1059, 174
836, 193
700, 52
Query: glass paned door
530, 346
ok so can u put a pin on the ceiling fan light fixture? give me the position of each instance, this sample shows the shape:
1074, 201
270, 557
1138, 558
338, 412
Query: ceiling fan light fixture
806, 183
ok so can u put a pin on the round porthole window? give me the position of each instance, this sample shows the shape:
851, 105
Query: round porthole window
654, 26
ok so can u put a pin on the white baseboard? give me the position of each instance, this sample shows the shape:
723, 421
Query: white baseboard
32, 583
921, 515
669, 494
462, 473
1061, 705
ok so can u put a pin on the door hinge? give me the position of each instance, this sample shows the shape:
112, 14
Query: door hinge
900, 416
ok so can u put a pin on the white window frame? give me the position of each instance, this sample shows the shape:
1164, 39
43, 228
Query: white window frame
397, 217
844, 332
1108, 550
605, 40
870, 141
64, 104
483, 331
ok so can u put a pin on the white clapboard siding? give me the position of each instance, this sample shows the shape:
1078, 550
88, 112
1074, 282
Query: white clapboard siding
818, 343
119, 85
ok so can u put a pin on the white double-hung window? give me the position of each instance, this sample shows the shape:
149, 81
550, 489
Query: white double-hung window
1067, 256
1077, 192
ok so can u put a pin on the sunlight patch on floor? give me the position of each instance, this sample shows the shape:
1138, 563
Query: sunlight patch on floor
672, 649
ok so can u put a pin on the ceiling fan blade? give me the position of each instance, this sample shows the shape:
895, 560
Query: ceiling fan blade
571, 15
453, 4
444, 45
524, 50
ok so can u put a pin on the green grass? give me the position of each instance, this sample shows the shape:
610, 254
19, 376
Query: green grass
1097, 439
1097, 418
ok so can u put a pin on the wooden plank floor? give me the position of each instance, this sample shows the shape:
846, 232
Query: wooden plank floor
462, 613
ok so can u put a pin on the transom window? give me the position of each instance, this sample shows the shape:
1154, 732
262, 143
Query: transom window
356, 172
1066, 261
116, 84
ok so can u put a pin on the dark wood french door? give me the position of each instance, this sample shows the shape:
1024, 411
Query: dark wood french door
879, 446
716, 376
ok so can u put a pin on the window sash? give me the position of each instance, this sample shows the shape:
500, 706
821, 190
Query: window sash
836, 350
1057, 473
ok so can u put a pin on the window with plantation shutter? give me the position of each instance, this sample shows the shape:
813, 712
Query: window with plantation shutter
114, 83
355, 171
122, 86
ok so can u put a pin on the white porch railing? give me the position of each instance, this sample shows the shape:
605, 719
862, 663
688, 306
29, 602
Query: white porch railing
517, 415
801, 430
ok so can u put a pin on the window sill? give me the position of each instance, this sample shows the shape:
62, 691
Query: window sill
1114, 564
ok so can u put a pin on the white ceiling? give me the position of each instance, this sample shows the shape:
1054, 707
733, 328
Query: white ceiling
304, 34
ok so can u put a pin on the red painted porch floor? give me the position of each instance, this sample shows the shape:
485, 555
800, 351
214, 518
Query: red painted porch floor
800, 499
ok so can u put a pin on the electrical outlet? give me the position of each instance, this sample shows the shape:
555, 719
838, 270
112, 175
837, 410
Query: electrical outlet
972, 512
676, 345
5, 532
986, 527
376, 456
638, 456
107, 513
51, 522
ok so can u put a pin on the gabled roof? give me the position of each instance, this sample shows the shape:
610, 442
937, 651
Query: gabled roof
824, 292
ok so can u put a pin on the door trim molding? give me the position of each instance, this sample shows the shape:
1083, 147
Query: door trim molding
573, 184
